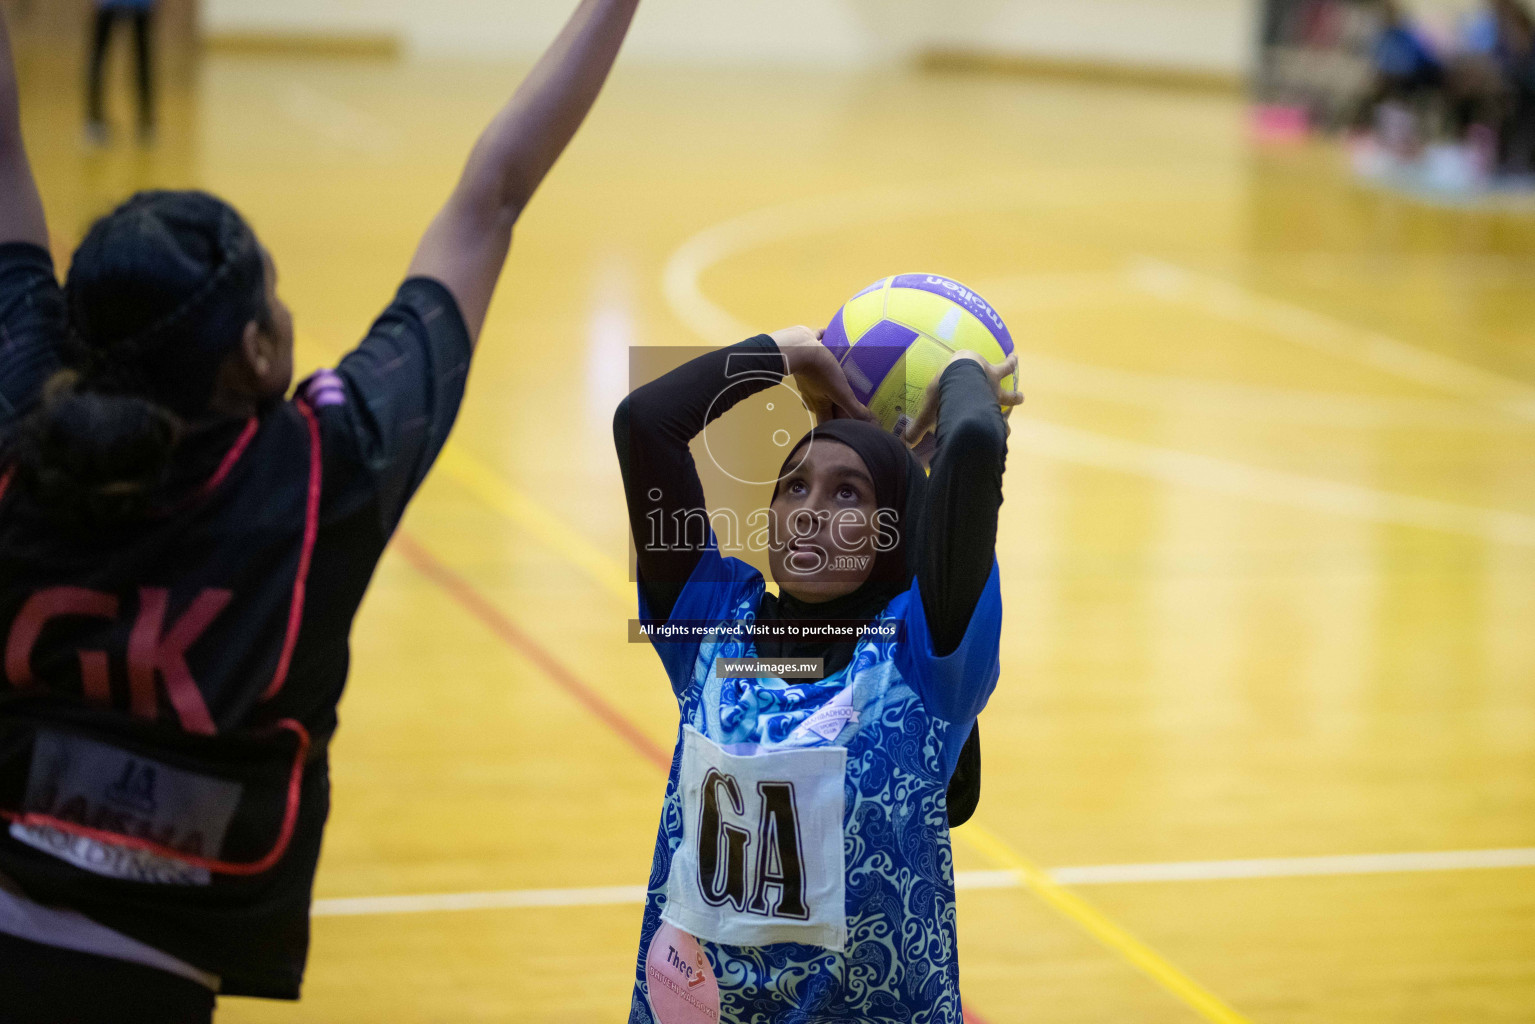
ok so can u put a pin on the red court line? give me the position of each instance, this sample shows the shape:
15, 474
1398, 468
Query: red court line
462, 591
477, 605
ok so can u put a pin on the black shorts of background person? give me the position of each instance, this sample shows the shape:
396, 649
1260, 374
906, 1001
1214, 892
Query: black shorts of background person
1492, 86
1477, 94
1517, 144
109, 13
1515, 54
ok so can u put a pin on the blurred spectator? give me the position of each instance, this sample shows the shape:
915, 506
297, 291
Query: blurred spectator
1409, 87
1405, 65
1480, 94
1514, 52
1492, 81
140, 13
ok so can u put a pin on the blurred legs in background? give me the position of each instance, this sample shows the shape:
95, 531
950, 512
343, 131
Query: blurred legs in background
107, 16
1519, 139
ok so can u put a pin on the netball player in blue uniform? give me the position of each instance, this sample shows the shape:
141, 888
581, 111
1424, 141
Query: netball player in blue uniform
182, 550
802, 869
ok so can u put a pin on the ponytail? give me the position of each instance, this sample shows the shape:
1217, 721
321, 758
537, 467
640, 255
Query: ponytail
93, 458
158, 294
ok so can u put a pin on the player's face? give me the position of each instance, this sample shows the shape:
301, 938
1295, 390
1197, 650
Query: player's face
823, 527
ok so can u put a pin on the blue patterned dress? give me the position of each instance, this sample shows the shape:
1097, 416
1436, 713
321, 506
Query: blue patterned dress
914, 711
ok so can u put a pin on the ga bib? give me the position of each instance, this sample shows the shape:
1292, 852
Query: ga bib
761, 859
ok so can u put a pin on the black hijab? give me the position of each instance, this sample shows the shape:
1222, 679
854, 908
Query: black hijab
900, 487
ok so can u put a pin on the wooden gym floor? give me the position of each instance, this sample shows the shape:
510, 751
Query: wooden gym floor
1264, 745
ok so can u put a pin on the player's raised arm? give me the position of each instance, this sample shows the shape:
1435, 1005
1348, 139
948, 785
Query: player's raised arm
21, 209
466, 245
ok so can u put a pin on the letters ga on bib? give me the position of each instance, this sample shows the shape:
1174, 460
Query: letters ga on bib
761, 859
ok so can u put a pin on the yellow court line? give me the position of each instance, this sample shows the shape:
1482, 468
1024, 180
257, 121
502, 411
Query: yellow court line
1151, 963
480, 480
491, 488
487, 485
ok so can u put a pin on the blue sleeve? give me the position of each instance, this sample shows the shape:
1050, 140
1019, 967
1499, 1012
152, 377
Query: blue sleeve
956, 686
715, 592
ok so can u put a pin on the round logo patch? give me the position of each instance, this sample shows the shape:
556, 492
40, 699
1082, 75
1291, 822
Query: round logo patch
682, 986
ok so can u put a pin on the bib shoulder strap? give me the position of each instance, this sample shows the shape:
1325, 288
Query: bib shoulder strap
306, 552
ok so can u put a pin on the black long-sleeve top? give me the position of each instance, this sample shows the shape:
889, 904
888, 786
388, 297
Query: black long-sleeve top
654, 425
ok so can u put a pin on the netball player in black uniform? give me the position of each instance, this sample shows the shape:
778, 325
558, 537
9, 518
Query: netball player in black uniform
182, 550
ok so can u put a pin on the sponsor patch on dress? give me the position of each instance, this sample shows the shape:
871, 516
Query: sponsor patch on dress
74, 781
679, 981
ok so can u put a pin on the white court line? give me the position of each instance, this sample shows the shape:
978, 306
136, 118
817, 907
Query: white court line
814, 215
1236, 399
505, 899
684, 294
825, 214
1334, 337
1255, 401
1242, 480
1097, 874
1298, 867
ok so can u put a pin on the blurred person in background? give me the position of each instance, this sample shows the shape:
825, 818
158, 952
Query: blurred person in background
1404, 61
1409, 87
1513, 50
140, 14
1478, 92
1492, 82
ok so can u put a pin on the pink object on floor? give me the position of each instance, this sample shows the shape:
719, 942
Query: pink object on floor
1279, 122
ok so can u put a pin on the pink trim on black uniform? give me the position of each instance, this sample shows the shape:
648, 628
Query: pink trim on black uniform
261, 558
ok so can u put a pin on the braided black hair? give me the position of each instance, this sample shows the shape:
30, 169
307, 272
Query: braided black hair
158, 294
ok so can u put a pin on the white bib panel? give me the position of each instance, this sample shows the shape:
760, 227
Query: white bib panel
761, 859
